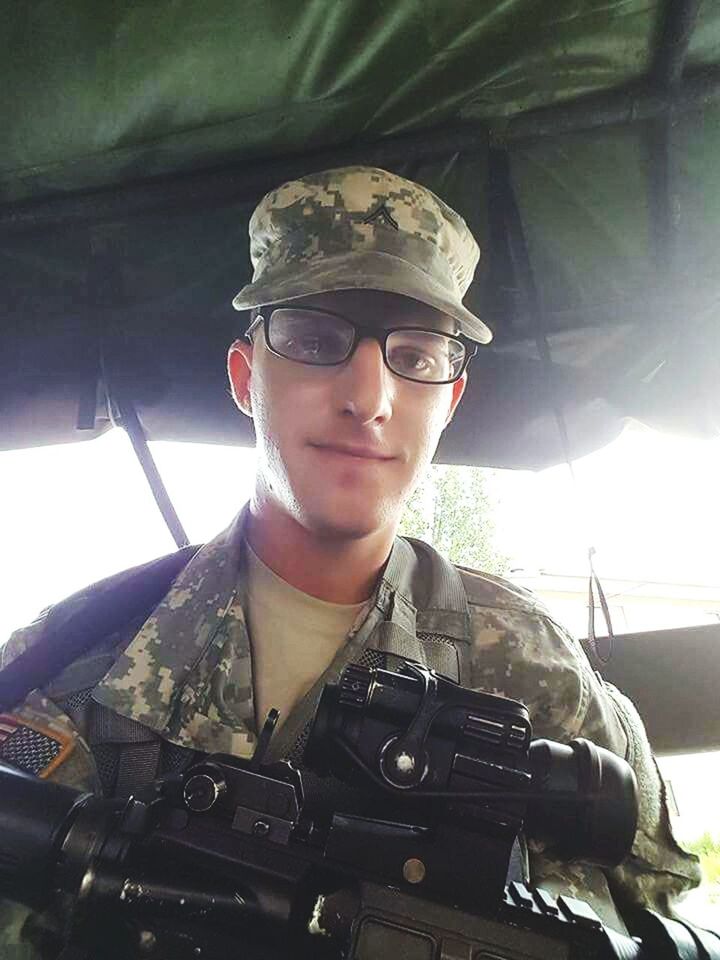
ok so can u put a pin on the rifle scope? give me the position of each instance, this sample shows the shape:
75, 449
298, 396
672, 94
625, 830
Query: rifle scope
418, 734
223, 854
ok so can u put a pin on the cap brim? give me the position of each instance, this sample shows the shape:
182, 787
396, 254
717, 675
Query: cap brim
370, 270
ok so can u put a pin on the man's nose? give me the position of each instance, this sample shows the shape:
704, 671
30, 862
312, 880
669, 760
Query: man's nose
366, 385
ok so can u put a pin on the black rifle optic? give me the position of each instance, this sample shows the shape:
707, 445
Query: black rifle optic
225, 860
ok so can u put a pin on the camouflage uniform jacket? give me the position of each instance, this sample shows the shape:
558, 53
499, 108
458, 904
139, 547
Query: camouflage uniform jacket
186, 674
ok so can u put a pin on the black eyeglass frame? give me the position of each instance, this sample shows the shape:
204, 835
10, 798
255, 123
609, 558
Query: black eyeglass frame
362, 332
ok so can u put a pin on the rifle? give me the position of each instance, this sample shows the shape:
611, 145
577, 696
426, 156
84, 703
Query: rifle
225, 860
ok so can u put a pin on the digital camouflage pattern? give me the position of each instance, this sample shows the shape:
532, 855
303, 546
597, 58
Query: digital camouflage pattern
539, 663
361, 228
187, 674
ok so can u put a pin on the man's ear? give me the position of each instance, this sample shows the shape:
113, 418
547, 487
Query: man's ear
458, 389
239, 367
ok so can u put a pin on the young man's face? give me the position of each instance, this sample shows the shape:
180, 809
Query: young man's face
311, 422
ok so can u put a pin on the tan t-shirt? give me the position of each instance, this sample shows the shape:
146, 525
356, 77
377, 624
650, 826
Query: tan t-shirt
294, 638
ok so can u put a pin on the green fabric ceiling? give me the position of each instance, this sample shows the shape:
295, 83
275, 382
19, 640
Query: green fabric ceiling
118, 257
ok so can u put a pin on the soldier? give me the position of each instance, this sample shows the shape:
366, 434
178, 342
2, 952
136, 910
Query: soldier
354, 362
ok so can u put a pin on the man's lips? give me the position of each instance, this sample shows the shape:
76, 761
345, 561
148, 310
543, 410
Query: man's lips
354, 451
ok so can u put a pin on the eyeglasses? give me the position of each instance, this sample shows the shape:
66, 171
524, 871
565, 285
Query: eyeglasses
323, 339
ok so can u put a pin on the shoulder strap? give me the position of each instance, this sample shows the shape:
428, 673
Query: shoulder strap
429, 615
105, 608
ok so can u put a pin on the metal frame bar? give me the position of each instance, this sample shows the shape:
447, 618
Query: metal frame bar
626, 106
663, 193
673, 43
130, 422
105, 286
246, 182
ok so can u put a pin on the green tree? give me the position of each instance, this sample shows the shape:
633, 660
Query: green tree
708, 849
453, 511
417, 518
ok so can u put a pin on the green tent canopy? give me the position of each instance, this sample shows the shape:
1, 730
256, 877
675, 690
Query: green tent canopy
579, 139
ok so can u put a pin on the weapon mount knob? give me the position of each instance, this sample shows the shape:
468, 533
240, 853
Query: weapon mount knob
202, 790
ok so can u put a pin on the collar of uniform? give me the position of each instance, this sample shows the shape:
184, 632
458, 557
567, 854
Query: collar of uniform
148, 676
148, 680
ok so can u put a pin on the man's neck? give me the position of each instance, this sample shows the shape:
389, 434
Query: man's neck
333, 569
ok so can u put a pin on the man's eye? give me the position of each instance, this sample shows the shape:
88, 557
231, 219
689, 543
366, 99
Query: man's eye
312, 346
409, 360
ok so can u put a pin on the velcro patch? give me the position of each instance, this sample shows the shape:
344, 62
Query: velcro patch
32, 747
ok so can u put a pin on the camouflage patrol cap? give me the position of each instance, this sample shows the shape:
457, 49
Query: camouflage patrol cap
361, 228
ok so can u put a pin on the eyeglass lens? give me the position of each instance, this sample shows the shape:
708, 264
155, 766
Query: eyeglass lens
323, 339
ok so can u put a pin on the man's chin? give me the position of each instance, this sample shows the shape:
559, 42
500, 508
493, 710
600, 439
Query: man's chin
351, 525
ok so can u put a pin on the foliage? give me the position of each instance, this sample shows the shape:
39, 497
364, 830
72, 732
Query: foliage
453, 511
708, 849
